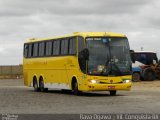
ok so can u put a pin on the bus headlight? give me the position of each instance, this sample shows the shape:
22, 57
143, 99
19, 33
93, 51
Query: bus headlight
94, 81
126, 81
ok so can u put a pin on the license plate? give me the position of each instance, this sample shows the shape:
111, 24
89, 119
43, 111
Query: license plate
111, 87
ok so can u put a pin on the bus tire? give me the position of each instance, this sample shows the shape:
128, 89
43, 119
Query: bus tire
41, 85
75, 87
136, 77
113, 92
35, 84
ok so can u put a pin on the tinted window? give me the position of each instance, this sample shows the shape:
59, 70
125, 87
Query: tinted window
146, 58
26, 46
35, 49
30, 51
48, 48
64, 47
81, 44
152, 58
56, 47
41, 49
141, 57
72, 46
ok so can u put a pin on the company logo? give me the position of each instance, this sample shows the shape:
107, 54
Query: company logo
111, 81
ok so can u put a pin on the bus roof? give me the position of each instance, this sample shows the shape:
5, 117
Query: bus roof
145, 52
83, 34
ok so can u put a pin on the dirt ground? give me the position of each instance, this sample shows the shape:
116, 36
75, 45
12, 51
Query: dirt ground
17, 98
146, 85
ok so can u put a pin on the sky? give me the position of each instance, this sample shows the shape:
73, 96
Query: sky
20, 20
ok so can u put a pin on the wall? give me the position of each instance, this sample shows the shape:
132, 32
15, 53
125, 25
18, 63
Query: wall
12, 70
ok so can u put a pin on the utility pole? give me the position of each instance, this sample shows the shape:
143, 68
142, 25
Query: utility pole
141, 48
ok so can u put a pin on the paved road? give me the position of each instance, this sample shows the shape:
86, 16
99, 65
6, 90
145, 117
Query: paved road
18, 99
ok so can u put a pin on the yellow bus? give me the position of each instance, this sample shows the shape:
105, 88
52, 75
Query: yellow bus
82, 61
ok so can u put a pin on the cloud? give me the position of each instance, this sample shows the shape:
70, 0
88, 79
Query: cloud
69, 7
21, 19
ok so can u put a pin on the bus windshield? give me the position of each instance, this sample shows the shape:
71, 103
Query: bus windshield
108, 56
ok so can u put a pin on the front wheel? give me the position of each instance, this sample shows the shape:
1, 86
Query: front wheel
75, 89
113, 92
136, 77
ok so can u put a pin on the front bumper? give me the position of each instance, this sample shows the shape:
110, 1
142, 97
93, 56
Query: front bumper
108, 87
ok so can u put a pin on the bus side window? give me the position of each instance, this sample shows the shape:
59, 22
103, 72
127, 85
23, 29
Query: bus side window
35, 49
41, 49
30, 51
56, 47
26, 46
48, 48
72, 46
81, 44
64, 47
82, 61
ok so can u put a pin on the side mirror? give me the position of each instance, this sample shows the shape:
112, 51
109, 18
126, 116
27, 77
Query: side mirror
84, 54
132, 56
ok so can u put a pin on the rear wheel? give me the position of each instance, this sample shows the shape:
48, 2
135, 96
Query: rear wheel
136, 77
113, 92
149, 74
35, 85
41, 85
